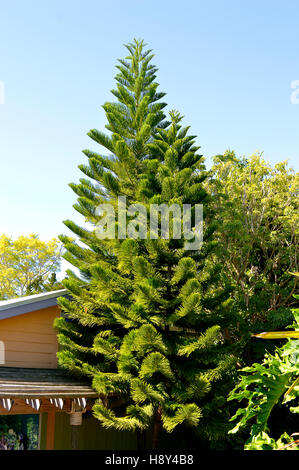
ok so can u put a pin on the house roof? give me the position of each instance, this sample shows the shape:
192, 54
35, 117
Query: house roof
23, 383
19, 306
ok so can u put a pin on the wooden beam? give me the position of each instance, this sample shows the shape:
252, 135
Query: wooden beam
6, 403
50, 431
34, 393
20, 407
58, 402
81, 402
34, 403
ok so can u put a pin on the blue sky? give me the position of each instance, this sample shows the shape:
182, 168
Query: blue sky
227, 66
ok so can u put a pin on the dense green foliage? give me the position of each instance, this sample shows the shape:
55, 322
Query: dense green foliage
173, 351
263, 386
258, 232
20, 431
147, 315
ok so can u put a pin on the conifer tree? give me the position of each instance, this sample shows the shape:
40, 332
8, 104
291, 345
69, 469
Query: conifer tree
132, 121
147, 314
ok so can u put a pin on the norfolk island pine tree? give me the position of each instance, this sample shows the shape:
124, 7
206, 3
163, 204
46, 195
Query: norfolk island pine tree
145, 318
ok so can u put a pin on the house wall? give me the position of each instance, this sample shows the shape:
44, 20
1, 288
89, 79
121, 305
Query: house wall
29, 340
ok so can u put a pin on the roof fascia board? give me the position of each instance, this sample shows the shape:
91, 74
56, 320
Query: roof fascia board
19, 308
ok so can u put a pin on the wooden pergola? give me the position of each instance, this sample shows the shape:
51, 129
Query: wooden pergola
29, 391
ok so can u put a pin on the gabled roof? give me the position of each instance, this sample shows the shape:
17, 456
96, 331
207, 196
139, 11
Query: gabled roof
19, 306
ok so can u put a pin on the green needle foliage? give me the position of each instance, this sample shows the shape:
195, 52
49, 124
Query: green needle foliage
147, 317
172, 353
132, 121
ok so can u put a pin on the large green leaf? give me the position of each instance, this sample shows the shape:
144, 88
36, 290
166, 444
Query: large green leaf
277, 335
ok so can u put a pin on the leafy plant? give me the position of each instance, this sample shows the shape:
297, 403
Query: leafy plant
275, 381
263, 442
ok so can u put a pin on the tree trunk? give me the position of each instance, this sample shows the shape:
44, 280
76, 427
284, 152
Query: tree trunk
157, 429
141, 440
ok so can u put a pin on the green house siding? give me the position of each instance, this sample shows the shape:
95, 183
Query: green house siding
42, 430
91, 435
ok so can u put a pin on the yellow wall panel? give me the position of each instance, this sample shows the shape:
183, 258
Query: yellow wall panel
29, 340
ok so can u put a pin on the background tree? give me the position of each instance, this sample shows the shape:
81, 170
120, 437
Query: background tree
27, 265
41, 284
257, 207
